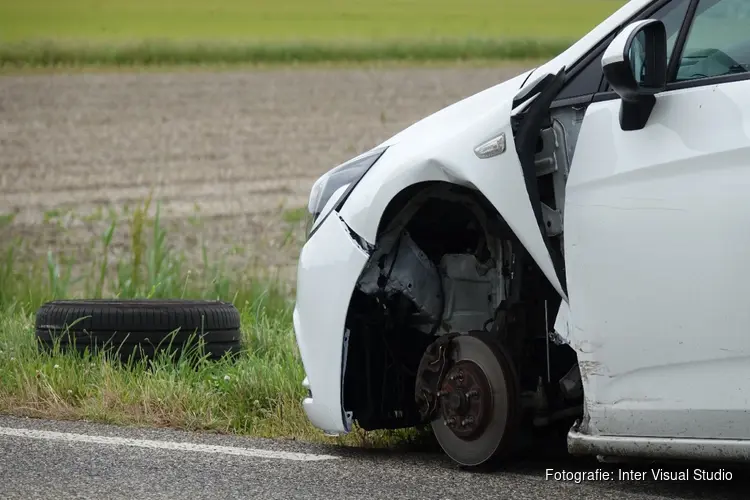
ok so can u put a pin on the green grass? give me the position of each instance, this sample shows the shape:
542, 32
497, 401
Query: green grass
258, 393
167, 32
275, 20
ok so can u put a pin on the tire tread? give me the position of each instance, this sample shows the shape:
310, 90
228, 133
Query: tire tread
134, 324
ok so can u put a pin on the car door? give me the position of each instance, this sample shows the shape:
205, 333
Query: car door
657, 244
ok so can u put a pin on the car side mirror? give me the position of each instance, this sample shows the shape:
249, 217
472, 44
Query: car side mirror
635, 65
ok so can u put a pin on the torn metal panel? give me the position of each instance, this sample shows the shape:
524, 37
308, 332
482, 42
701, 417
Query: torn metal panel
561, 333
408, 271
571, 384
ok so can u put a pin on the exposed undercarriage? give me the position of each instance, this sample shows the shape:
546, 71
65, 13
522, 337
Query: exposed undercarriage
449, 276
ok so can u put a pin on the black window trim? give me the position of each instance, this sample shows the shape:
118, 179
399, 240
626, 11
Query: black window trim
684, 84
573, 101
598, 50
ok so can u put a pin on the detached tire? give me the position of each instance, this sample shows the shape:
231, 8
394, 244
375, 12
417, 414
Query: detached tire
140, 328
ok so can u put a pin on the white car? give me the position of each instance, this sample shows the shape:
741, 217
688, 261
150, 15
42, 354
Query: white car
566, 248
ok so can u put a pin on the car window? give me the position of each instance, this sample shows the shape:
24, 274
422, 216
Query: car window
672, 15
586, 82
718, 42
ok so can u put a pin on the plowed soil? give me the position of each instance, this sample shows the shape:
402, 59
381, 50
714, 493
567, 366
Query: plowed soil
237, 151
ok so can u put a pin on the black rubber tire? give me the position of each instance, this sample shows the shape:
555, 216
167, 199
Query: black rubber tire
140, 328
499, 441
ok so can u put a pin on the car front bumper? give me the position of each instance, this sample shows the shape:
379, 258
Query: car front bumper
329, 266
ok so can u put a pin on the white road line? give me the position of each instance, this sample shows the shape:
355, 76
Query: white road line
161, 445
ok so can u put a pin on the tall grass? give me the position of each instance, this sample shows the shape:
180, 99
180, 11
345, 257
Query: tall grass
148, 267
258, 393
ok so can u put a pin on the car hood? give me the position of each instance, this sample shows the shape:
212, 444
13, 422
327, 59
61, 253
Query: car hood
455, 117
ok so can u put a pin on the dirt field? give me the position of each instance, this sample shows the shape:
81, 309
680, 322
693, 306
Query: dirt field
239, 150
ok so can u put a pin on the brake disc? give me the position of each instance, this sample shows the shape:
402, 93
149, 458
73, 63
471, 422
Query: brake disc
475, 407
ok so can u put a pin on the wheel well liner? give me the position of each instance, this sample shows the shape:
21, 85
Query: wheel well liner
402, 199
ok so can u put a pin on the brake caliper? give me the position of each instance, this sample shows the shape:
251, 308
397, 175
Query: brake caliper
433, 366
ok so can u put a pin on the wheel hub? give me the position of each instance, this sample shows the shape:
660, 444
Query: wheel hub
465, 399
467, 389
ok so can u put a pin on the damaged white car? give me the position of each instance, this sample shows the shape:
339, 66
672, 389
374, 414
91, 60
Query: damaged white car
564, 248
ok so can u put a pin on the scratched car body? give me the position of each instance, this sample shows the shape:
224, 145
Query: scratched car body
566, 250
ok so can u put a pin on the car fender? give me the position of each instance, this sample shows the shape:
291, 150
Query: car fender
444, 150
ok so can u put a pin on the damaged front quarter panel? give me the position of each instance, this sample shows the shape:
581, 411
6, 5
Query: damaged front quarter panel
441, 148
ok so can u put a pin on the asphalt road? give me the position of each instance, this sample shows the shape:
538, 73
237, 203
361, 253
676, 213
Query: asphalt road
44, 459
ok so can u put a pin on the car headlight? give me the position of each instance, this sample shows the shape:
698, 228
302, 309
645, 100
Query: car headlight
332, 189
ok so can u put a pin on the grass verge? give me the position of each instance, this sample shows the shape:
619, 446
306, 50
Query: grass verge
51, 54
257, 394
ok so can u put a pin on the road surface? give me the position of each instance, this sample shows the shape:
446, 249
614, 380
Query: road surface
45, 460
